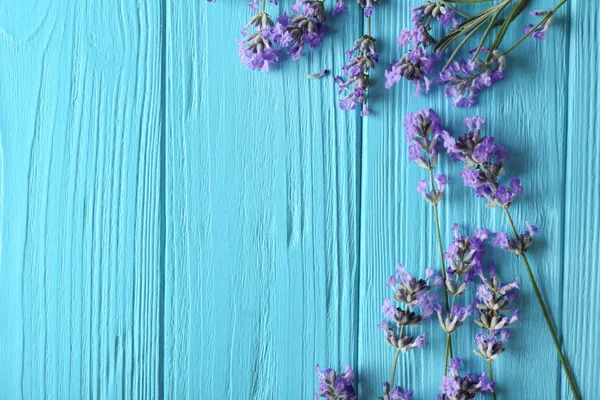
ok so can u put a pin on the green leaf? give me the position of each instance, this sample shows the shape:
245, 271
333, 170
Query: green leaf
467, 1
468, 25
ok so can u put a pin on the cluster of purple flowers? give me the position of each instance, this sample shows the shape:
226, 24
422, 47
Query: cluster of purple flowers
423, 133
362, 59
418, 63
493, 300
457, 387
307, 26
464, 257
334, 386
396, 393
409, 293
518, 245
540, 31
256, 50
465, 79
483, 161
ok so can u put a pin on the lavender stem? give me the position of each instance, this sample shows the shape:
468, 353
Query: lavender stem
540, 299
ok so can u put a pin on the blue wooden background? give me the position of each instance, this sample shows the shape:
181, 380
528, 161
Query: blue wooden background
173, 225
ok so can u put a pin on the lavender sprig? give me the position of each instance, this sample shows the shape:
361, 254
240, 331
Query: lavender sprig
402, 310
256, 50
457, 387
307, 26
334, 386
493, 303
483, 166
362, 59
423, 133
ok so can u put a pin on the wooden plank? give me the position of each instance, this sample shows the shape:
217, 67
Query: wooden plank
527, 113
80, 177
581, 297
262, 212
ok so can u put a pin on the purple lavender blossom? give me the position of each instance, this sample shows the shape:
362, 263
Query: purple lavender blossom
367, 6
409, 293
434, 9
257, 51
457, 387
455, 318
466, 79
339, 7
358, 71
396, 393
306, 27
483, 161
520, 244
540, 31
423, 132
335, 387
464, 257
493, 301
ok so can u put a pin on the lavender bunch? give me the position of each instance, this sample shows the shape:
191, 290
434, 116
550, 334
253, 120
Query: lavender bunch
464, 257
402, 311
457, 387
418, 63
493, 302
424, 133
306, 26
465, 79
358, 72
334, 386
256, 50
483, 167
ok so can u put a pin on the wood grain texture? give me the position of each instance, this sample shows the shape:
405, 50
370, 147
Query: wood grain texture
262, 210
581, 294
80, 261
175, 226
398, 225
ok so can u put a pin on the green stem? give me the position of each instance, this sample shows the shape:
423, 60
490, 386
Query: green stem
369, 26
563, 360
491, 372
441, 251
263, 5
393, 375
542, 21
488, 30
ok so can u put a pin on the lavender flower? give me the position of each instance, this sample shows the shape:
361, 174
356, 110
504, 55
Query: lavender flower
464, 258
423, 131
367, 5
358, 71
257, 51
418, 62
494, 299
540, 31
483, 160
307, 27
434, 9
335, 387
396, 393
410, 293
457, 387
493, 302
339, 7
253, 5
466, 79
454, 319
520, 244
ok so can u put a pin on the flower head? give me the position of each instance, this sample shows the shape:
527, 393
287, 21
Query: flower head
362, 59
466, 79
396, 393
518, 245
334, 386
256, 50
457, 387
307, 27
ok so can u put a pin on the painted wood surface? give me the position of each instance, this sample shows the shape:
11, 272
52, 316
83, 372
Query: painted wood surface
175, 226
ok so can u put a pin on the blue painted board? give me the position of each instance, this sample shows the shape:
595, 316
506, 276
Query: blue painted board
173, 225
